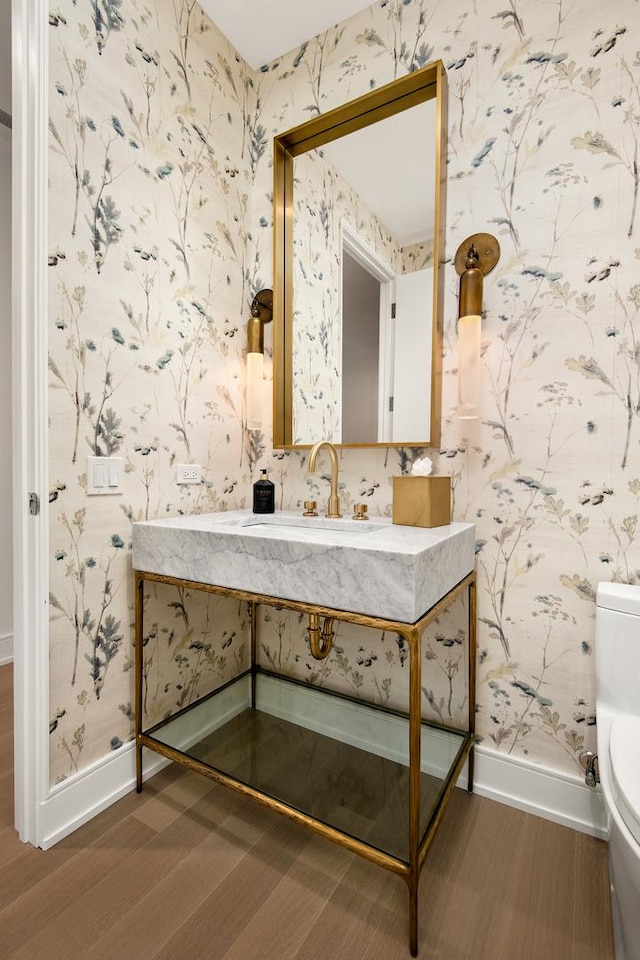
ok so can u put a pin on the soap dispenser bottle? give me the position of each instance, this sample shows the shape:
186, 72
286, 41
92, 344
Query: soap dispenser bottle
263, 494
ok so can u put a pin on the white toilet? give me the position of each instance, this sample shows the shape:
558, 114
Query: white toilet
618, 720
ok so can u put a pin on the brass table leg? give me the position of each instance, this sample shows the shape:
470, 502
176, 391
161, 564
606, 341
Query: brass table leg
415, 714
139, 609
471, 674
253, 612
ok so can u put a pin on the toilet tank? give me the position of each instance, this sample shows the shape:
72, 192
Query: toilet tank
618, 647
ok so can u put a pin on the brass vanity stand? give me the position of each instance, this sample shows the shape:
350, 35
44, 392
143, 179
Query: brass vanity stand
422, 821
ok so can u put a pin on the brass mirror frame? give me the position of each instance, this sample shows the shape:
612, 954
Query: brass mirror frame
427, 83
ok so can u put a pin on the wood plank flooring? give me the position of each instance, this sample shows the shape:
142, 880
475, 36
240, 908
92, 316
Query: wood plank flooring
190, 870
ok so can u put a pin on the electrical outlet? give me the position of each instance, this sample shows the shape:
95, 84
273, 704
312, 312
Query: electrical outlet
188, 473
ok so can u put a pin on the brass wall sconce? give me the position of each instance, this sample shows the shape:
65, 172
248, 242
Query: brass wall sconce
261, 313
475, 258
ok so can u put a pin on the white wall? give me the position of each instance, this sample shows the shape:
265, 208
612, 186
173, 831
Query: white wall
5, 55
6, 553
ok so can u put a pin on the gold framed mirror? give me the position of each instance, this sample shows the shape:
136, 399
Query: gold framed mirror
359, 214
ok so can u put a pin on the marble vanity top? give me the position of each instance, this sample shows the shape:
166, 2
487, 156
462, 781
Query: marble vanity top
372, 567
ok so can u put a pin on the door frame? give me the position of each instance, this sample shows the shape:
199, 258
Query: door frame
30, 26
369, 259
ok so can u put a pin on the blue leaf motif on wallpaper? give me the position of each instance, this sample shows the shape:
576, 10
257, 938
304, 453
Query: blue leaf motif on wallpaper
147, 57
164, 171
511, 18
105, 228
201, 310
535, 485
483, 154
202, 136
540, 273
609, 43
422, 56
162, 362
528, 691
106, 18
106, 645
300, 55
545, 57
117, 126
117, 541
116, 335
461, 61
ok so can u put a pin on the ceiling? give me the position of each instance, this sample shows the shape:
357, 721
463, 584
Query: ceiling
371, 157
261, 31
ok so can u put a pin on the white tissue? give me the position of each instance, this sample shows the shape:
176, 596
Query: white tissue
422, 467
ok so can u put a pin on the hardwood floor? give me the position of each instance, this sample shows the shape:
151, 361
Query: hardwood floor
190, 870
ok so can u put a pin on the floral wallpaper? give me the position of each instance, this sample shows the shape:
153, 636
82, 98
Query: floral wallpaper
417, 256
160, 232
154, 145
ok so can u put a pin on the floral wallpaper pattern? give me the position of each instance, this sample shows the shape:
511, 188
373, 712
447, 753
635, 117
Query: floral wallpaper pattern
160, 220
151, 167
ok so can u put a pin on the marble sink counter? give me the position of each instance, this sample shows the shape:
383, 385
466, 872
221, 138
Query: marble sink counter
372, 567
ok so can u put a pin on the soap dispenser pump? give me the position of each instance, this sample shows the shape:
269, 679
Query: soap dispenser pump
263, 494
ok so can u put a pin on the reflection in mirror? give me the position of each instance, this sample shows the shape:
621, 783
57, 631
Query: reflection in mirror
358, 214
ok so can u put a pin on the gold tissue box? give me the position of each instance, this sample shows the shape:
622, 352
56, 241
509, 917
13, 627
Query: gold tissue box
421, 501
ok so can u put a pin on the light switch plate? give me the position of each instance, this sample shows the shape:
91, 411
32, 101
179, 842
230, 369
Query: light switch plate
104, 475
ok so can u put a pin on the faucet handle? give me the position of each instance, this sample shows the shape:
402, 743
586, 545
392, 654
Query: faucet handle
310, 508
360, 511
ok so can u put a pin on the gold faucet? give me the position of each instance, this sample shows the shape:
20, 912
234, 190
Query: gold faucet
333, 508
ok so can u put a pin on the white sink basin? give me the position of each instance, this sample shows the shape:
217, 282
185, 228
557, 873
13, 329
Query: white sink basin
372, 567
273, 520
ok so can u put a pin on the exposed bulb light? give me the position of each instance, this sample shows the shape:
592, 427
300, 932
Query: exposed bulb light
476, 257
255, 380
261, 313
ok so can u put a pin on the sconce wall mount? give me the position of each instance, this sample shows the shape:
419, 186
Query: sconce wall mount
261, 313
487, 253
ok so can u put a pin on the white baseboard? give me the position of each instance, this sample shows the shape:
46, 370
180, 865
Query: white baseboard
542, 792
81, 797
536, 790
6, 649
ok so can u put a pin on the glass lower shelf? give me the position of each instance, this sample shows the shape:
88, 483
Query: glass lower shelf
342, 763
